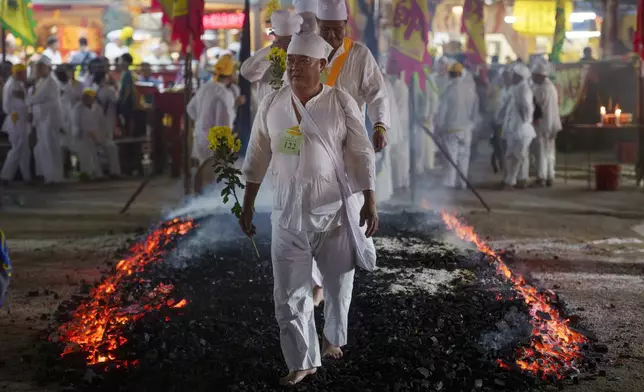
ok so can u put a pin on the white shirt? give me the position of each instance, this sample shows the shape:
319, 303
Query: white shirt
55, 57
45, 103
519, 112
72, 92
12, 104
255, 70
548, 100
458, 109
306, 191
362, 79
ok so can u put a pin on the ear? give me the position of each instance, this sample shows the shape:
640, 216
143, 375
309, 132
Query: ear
323, 63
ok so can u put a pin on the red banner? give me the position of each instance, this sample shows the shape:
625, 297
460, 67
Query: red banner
638, 37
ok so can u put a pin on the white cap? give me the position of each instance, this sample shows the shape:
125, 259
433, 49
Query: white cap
44, 60
521, 70
541, 68
285, 22
333, 10
310, 24
302, 6
310, 45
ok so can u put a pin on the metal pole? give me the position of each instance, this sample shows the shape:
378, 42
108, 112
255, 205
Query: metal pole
185, 147
451, 161
412, 141
4, 46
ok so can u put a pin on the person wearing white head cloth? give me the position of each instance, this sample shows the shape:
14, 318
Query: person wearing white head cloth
16, 125
255, 69
308, 10
322, 159
47, 112
547, 127
518, 130
352, 68
87, 129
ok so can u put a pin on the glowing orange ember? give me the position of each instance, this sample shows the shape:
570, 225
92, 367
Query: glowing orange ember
555, 346
94, 325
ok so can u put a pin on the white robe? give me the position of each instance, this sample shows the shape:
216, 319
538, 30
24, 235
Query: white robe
87, 124
71, 95
518, 133
20, 154
255, 70
107, 100
426, 106
399, 133
48, 121
307, 219
213, 105
547, 127
54, 56
458, 113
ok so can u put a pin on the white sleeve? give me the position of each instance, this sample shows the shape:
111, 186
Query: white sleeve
259, 153
192, 107
77, 117
374, 91
359, 156
254, 68
6, 96
43, 93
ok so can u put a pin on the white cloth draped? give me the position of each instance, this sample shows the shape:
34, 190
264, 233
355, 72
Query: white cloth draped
399, 133
71, 95
518, 132
107, 99
255, 70
18, 158
88, 123
547, 127
213, 105
48, 121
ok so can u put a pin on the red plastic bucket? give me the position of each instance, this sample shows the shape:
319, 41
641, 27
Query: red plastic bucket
607, 177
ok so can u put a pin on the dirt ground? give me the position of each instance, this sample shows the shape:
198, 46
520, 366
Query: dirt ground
583, 244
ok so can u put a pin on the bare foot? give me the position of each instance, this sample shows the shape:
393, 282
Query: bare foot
296, 377
331, 351
318, 296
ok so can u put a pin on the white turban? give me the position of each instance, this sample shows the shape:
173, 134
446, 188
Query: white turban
541, 68
285, 22
44, 60
302, 6
521, 70
310, 45
333, 10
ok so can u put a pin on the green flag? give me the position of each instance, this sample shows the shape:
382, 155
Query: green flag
17, 17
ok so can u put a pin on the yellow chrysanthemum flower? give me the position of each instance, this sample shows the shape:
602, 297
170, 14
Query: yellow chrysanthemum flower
223, 137
277, 59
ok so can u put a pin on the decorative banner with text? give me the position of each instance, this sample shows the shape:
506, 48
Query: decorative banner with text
409, 38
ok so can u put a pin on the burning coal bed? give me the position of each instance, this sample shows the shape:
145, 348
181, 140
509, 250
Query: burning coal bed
189, 308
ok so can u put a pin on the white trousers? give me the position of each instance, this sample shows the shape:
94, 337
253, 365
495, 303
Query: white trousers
459, 147
546, 157
19, 156
112, 151
48, 153
400, 165
87, 153
425, 151
517, 162
292, 254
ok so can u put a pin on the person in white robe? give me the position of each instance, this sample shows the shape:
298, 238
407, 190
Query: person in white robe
398, 94
212, 105
504, 102
71, 93
256, 69
52, 52
107, 101
47, 112
458, 113
321, 160
518, 130
308, 10
87, 122
16, 126
547, 127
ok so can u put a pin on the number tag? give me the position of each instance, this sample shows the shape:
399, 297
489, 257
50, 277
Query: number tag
291, 141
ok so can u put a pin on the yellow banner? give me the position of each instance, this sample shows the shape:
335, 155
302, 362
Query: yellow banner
410, 28
179, 8
538, 17
18, 18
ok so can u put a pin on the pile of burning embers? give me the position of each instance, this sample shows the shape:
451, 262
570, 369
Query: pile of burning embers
189, 308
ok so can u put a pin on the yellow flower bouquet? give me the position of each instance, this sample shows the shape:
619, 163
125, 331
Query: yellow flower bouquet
277, 58
225, 144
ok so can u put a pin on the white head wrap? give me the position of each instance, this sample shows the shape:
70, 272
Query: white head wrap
302, 6
333, 10
541, 68
286, 22
310, 45
521, 70
44, 60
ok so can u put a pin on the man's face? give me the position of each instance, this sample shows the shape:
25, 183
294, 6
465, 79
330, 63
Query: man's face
333, 31
282, 41
70, 72
516, 78
304, 71
43, 70
146, 70
507, 78
54, 46
538, 79
88, 100
20, 76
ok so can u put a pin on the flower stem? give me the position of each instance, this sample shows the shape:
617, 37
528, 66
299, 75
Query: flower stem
251, 238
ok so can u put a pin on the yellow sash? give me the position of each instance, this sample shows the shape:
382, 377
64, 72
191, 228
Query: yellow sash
333, 74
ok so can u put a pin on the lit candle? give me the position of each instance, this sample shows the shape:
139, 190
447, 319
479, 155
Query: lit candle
602, 111
618, 116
